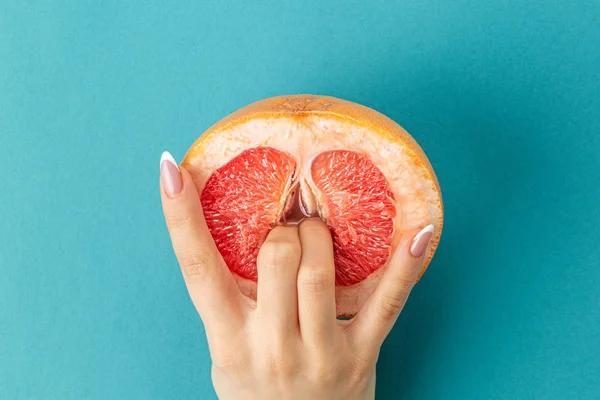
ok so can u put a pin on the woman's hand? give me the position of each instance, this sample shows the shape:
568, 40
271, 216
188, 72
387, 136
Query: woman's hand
288, 343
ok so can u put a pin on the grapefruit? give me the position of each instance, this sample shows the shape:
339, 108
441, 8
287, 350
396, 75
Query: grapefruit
286, 158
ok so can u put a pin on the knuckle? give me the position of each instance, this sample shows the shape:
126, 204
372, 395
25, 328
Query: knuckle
195, 266
314, 227
276, 253
403, 283
390, 307
315, 280
177, 218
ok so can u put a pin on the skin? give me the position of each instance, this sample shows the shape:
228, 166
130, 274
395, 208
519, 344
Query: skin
288, 343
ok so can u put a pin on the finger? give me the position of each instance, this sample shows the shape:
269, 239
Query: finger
377, 316
277, 264
209, 282
316, 284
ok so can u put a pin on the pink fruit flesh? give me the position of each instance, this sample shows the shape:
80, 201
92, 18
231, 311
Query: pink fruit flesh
361, 211
242, 202
245, 198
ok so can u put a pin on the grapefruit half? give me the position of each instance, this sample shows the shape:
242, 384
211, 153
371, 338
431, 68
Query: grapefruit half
286, 158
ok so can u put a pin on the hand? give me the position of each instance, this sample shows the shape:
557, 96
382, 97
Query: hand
288, 343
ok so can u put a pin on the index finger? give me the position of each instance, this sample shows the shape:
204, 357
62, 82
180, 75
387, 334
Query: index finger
210, 284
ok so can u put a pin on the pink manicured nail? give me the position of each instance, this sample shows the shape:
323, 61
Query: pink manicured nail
169, 173
421, 241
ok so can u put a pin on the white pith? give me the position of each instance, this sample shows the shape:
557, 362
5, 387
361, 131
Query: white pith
416, 197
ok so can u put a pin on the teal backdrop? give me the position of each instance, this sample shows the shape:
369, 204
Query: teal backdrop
504, 97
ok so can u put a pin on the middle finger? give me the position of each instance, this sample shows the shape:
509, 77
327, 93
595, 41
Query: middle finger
277, 263
316, 284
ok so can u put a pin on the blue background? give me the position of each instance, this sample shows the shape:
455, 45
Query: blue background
504, 96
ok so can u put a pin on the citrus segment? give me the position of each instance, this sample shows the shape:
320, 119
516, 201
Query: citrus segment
359, 209
242, 201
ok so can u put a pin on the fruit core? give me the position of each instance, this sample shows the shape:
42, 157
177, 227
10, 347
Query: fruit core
263, 187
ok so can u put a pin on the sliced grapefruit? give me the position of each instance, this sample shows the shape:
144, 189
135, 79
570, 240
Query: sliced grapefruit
285, 158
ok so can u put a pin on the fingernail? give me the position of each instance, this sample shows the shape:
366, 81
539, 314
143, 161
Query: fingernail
421, 241
169, 173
